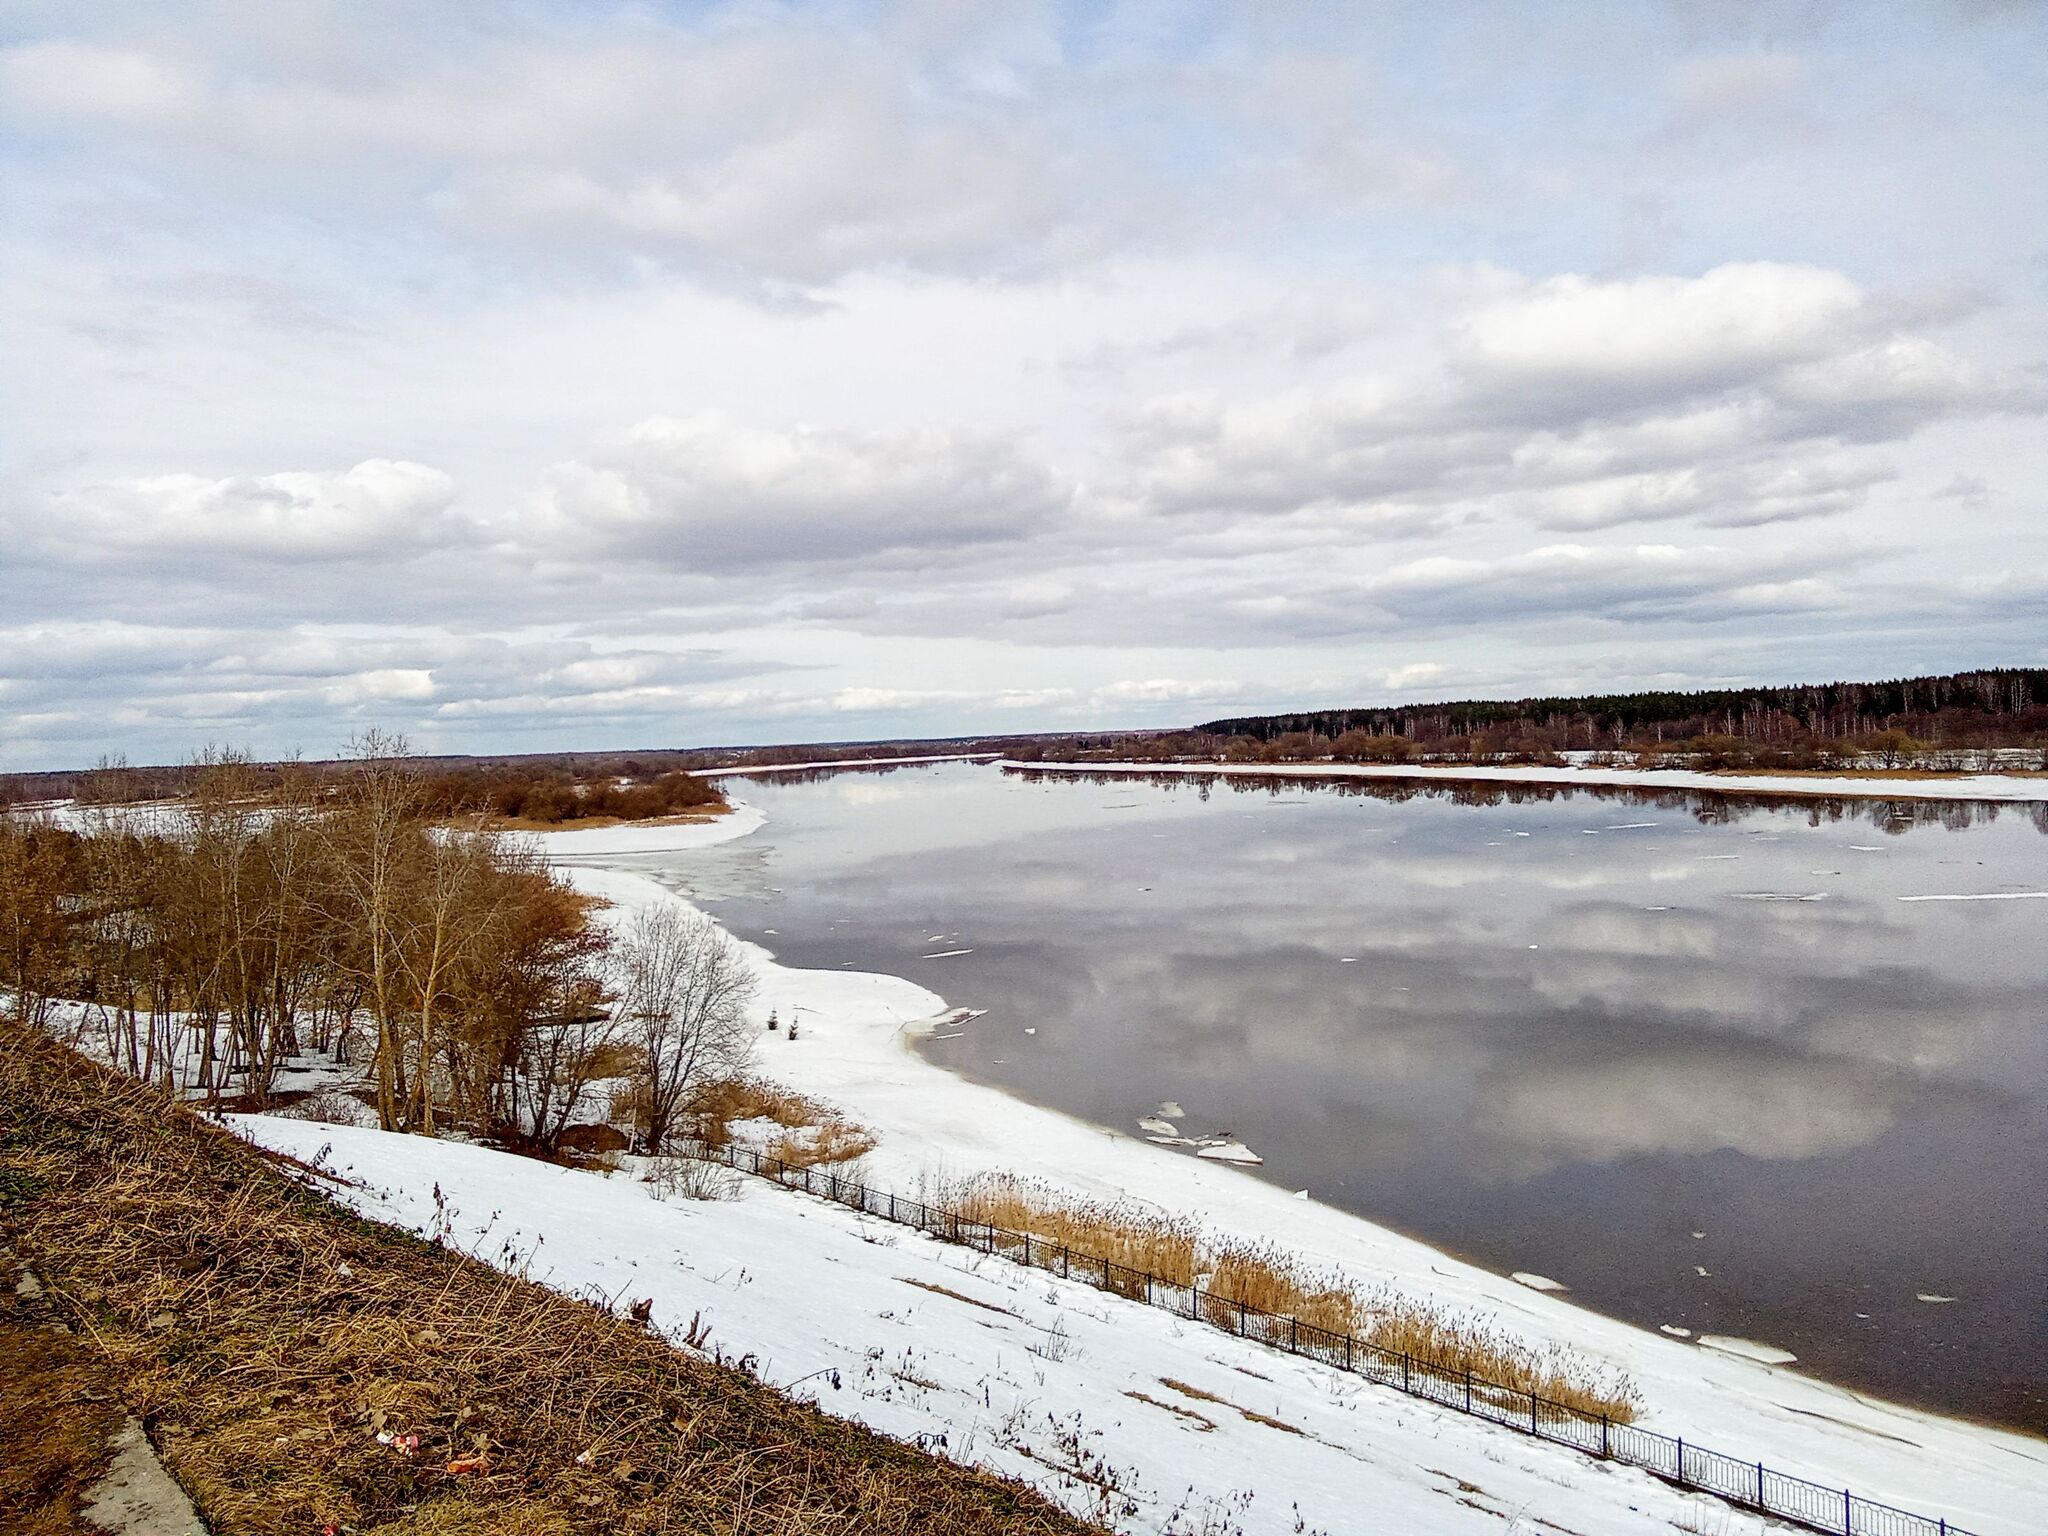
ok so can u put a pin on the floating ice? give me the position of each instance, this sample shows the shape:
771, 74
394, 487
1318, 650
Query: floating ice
1749, 1349
1674, 1331
1929, 1296
947, 954
1985, 896
1158, 1126
1171, 1110
1536, 1282
1230, 1152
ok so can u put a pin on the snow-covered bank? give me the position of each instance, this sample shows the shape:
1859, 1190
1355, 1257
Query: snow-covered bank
1969, 786
852, 1051
758, 769
997, 1365
629, 837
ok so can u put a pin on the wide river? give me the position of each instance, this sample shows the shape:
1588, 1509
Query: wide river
1706, 1062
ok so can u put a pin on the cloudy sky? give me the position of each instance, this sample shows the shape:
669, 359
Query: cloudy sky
529, 375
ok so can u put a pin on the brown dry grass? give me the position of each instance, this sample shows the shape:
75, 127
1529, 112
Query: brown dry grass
57, 1417
586, 823
1265, 1278
814, 1132
266, 1336
1130, 1235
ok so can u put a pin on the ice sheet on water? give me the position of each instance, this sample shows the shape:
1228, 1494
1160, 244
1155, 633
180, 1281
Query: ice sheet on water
1749, 1349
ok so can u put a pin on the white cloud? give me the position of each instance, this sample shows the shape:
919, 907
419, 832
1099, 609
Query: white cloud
709, 493
992, 368
1661, 336
381, 507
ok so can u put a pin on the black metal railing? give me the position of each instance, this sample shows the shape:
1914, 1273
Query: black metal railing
1748, 1484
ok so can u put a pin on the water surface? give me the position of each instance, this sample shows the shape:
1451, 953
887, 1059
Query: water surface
1691, 1057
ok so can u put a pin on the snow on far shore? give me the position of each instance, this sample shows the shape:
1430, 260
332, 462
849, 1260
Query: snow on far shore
854, 1051
630, 837
1972, 786
844, 762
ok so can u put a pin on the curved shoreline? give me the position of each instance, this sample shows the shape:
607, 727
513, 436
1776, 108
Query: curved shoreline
854, 1051
1999, 787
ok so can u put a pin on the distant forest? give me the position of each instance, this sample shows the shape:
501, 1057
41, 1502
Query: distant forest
1996, 706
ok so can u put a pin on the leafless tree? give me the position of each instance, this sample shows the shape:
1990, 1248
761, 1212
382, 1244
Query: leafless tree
683, 987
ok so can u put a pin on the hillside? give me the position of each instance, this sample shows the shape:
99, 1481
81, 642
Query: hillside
284, 1354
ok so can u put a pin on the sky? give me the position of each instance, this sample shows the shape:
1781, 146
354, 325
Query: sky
522, 376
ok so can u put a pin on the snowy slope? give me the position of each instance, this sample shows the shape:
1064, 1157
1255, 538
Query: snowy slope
852, 1051
997, 1365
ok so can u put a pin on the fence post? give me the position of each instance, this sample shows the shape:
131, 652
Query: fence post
1681, 1461
1347, 1352
1293, 1336
1532, 1410
1027, 1250
1848, 1514
1759, 1485
1404, 1370
1240, 1317
1468, 1389
1066, 1257
1603, 1437
892, 1205
1148, 1287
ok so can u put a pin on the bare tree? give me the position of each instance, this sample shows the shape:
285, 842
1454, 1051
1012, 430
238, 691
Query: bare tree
683, 988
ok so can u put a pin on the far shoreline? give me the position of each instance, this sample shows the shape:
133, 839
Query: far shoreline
2007, 788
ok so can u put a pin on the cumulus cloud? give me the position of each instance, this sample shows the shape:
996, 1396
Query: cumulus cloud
990, 367
381, 507
710, 493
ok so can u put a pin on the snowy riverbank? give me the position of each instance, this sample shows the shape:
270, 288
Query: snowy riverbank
853, 1050
1968, 786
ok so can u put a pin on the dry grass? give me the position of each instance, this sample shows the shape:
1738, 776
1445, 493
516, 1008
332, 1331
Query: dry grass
57, 1417
1129, 1235
1265, 1278
267, 1336
814, 1133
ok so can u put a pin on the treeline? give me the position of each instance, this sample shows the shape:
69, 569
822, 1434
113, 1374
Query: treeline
549, 798
628, 788
267, 914
1959, 718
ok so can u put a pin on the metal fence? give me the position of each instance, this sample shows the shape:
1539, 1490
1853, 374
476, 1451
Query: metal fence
1747, 1484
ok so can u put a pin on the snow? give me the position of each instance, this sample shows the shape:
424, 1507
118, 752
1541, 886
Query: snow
1984, 896
844, 762
630, 837
1969, 786
1748, 1349
1012, 1366
802, 1285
